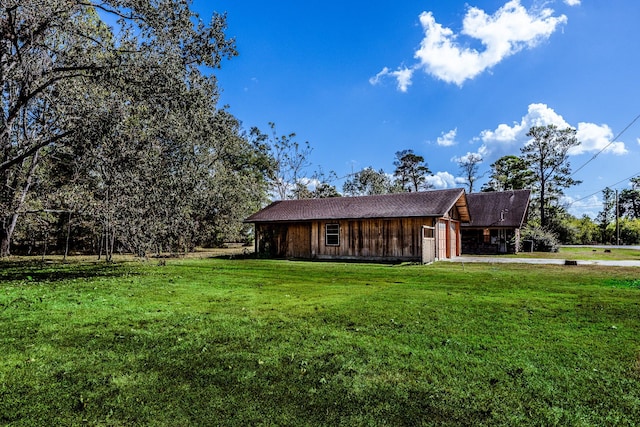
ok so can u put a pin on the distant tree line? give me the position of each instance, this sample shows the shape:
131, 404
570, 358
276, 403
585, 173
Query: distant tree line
111, 139
543, 167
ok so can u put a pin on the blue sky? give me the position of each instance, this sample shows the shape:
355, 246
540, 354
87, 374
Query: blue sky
362, 80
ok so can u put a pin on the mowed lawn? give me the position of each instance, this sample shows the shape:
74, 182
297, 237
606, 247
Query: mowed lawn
266, 342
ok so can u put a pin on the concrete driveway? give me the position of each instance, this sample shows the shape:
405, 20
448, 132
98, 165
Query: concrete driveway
501, 260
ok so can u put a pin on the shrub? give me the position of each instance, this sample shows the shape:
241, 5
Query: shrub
543, 239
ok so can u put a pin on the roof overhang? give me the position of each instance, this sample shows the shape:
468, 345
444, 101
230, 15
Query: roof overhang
463, 208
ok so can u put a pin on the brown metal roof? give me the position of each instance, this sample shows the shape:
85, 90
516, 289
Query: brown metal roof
498, 208
434, 203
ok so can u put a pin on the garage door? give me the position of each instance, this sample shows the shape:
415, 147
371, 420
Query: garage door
442, 239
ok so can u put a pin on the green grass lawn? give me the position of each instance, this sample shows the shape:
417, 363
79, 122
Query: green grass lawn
584, 254
264, 342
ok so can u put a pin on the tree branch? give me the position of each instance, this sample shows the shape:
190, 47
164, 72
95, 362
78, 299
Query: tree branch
17, 159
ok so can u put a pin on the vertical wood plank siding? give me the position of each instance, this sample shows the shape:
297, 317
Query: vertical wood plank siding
368, 239
299, 240
285, 240
453, 240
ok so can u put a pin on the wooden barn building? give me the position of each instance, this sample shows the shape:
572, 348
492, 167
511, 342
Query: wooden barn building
420, 226
496, 220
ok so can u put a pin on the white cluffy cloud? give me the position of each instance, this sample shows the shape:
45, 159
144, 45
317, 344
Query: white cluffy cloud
402, 75
447, 139
477, 157
593, 137
511, 29
572, 2
442, 180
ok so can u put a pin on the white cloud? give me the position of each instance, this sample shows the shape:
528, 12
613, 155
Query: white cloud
402, 75
638, 140
441, 180
310, 183
506, 138
578, 206
595, 138
448, 139
511, 29
467, 157
572, 2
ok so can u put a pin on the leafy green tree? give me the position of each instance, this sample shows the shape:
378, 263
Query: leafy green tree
607, 215
67, 80
325, 190
411, 171
368, 182
181, 185
629, 200
232, 180
546, 154
301, 191
584, 231
322, 190
508, 173
324, 187
560, 223
630, 231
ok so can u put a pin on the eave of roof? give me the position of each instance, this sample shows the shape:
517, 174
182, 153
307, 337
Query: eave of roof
506, 209
435, 203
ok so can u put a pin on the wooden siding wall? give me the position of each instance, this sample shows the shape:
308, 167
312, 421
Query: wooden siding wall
285, 240
366, 239
441, 239
299, 240
372, 239
454, 246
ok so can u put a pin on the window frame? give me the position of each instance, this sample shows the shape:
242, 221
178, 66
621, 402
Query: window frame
333, 235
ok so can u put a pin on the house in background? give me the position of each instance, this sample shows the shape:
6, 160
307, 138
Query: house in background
496, 220
420, 226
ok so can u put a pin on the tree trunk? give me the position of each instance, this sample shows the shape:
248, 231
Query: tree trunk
5, 242
543, 218
9, 223
6, 233
543, 184
66, 246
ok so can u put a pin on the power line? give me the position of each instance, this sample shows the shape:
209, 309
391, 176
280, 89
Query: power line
600, 152
609, 186
607, 146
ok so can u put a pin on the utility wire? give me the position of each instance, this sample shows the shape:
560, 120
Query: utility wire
574, 172
607, 146
597, 154
609, 186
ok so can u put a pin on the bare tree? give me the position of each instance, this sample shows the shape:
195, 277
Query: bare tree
469, 166
290, 159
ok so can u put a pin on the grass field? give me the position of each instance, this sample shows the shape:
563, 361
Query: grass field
264, 342
586, 253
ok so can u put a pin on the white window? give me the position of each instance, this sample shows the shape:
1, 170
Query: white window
332, 234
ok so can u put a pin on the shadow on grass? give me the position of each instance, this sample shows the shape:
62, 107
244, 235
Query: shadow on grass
132, 376
31, 271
